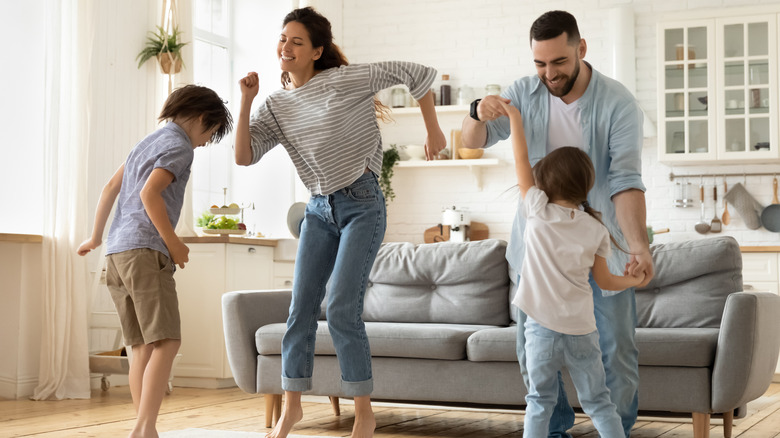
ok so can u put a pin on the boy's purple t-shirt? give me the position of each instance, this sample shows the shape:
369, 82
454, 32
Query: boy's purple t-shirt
167, 148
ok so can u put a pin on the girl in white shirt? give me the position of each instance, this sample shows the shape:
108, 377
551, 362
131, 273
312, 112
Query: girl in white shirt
565, 242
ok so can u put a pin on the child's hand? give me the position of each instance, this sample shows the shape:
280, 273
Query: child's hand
87, 246
510, 110
250, 85
180, 253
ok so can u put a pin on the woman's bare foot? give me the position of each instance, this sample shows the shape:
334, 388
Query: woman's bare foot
291, 414
365, 423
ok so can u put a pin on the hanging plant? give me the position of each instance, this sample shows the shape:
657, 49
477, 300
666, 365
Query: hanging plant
390, 156
165, 47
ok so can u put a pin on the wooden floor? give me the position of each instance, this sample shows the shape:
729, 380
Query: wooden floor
110, 414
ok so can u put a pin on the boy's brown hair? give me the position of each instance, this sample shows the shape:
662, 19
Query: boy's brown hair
193, 101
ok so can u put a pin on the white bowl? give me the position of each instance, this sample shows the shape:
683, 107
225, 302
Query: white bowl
415, 152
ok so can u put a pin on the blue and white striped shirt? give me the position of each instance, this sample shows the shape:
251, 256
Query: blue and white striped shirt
328, 126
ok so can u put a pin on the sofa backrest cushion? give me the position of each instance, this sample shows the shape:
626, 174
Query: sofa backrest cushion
692, 281
446, 282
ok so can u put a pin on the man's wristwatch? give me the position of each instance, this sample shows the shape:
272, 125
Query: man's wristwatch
473, 110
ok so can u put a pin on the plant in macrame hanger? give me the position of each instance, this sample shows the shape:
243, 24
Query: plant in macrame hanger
165, 45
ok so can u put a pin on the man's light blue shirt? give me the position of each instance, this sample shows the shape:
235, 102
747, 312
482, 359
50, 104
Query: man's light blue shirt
612, 135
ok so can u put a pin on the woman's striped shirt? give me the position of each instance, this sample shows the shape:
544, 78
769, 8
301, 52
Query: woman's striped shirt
328, 126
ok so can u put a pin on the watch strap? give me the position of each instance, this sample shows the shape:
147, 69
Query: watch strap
473, 110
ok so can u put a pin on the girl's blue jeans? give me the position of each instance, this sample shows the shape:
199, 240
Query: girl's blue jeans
548, 351
616, 324
339, 240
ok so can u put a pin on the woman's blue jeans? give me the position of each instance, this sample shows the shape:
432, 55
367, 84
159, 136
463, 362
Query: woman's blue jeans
546, 352
616, 324
339, 240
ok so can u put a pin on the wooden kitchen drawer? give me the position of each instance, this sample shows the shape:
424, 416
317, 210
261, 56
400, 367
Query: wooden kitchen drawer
760, 267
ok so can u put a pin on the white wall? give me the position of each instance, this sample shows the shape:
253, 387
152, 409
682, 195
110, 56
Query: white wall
20, 318
481, 42
21, 85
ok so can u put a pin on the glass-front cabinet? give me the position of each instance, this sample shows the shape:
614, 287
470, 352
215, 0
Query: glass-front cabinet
718, 91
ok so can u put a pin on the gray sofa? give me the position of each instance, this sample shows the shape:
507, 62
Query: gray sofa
441, 328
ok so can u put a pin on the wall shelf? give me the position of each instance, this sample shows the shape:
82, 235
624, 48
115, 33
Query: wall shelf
439, 110
474, 166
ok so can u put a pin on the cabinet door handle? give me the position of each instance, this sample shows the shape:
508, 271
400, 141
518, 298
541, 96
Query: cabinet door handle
288, 282
252, 250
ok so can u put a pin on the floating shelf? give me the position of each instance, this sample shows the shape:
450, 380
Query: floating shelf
474, 166
439, 109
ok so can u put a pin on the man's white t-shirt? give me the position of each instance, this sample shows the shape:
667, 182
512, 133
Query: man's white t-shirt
565, 127
560, 247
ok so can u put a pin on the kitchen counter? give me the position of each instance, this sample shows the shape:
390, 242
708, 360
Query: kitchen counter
227, 238
21, 238
759, 248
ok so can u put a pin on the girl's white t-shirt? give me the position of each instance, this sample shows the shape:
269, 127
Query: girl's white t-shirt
560, 247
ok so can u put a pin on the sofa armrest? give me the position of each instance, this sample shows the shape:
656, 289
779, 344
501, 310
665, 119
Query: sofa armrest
748, 347
243, 312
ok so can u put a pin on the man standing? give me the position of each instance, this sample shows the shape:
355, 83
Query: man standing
571, 104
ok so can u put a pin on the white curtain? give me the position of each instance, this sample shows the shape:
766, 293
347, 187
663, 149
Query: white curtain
64, 364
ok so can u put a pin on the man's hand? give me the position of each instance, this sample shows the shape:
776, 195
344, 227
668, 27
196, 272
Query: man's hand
490, 108
641, 264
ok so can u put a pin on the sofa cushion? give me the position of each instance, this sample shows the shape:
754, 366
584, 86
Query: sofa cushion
423, 341
677, 347
458, 283
692, 280
493, 345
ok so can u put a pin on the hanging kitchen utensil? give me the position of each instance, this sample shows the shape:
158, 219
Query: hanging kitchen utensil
715, 225
770, 216
746, 205
651, 233
702, 227
726, 219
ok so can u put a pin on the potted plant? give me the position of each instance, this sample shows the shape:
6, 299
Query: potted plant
390, 156
168, 55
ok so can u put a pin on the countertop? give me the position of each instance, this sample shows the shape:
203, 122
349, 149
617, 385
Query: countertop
227, 238
21, 238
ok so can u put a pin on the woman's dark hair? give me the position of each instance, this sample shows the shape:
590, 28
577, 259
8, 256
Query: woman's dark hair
321, 35
552, 24
194, 101
567, 174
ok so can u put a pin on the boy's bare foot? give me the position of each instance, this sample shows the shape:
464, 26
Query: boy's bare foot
291, 415
143, 434
364, 426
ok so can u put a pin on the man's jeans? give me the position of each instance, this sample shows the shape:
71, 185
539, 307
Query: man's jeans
340, 235
616, 324
548, 351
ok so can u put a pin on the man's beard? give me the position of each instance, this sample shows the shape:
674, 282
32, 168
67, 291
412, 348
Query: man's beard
567, 86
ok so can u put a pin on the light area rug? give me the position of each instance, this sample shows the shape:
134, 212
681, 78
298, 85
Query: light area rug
209, 433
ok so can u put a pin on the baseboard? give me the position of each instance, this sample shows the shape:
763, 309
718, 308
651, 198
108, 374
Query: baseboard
17, 389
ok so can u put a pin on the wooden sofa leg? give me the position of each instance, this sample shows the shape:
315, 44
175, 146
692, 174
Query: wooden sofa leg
701, 425
334, 402
728, 422
269, 409
273, 409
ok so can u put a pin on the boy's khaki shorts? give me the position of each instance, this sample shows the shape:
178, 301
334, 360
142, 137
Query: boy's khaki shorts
144, 293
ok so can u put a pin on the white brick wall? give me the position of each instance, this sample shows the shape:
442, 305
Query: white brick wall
482, 42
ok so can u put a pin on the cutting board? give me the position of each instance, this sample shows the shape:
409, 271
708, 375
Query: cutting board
477, 231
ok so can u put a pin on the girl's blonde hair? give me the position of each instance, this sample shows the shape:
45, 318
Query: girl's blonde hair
567, 174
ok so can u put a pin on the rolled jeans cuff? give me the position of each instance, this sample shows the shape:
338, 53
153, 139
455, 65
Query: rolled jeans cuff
302, 384
357, 389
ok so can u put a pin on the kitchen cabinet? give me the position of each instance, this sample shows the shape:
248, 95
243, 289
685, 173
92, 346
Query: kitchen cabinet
761, 272
717, 91
213, 269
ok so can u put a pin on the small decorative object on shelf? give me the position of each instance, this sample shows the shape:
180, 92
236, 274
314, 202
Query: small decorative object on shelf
389, 158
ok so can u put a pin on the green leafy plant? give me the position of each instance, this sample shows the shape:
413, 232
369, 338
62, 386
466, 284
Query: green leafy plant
390, 157
204, 219
155, 45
